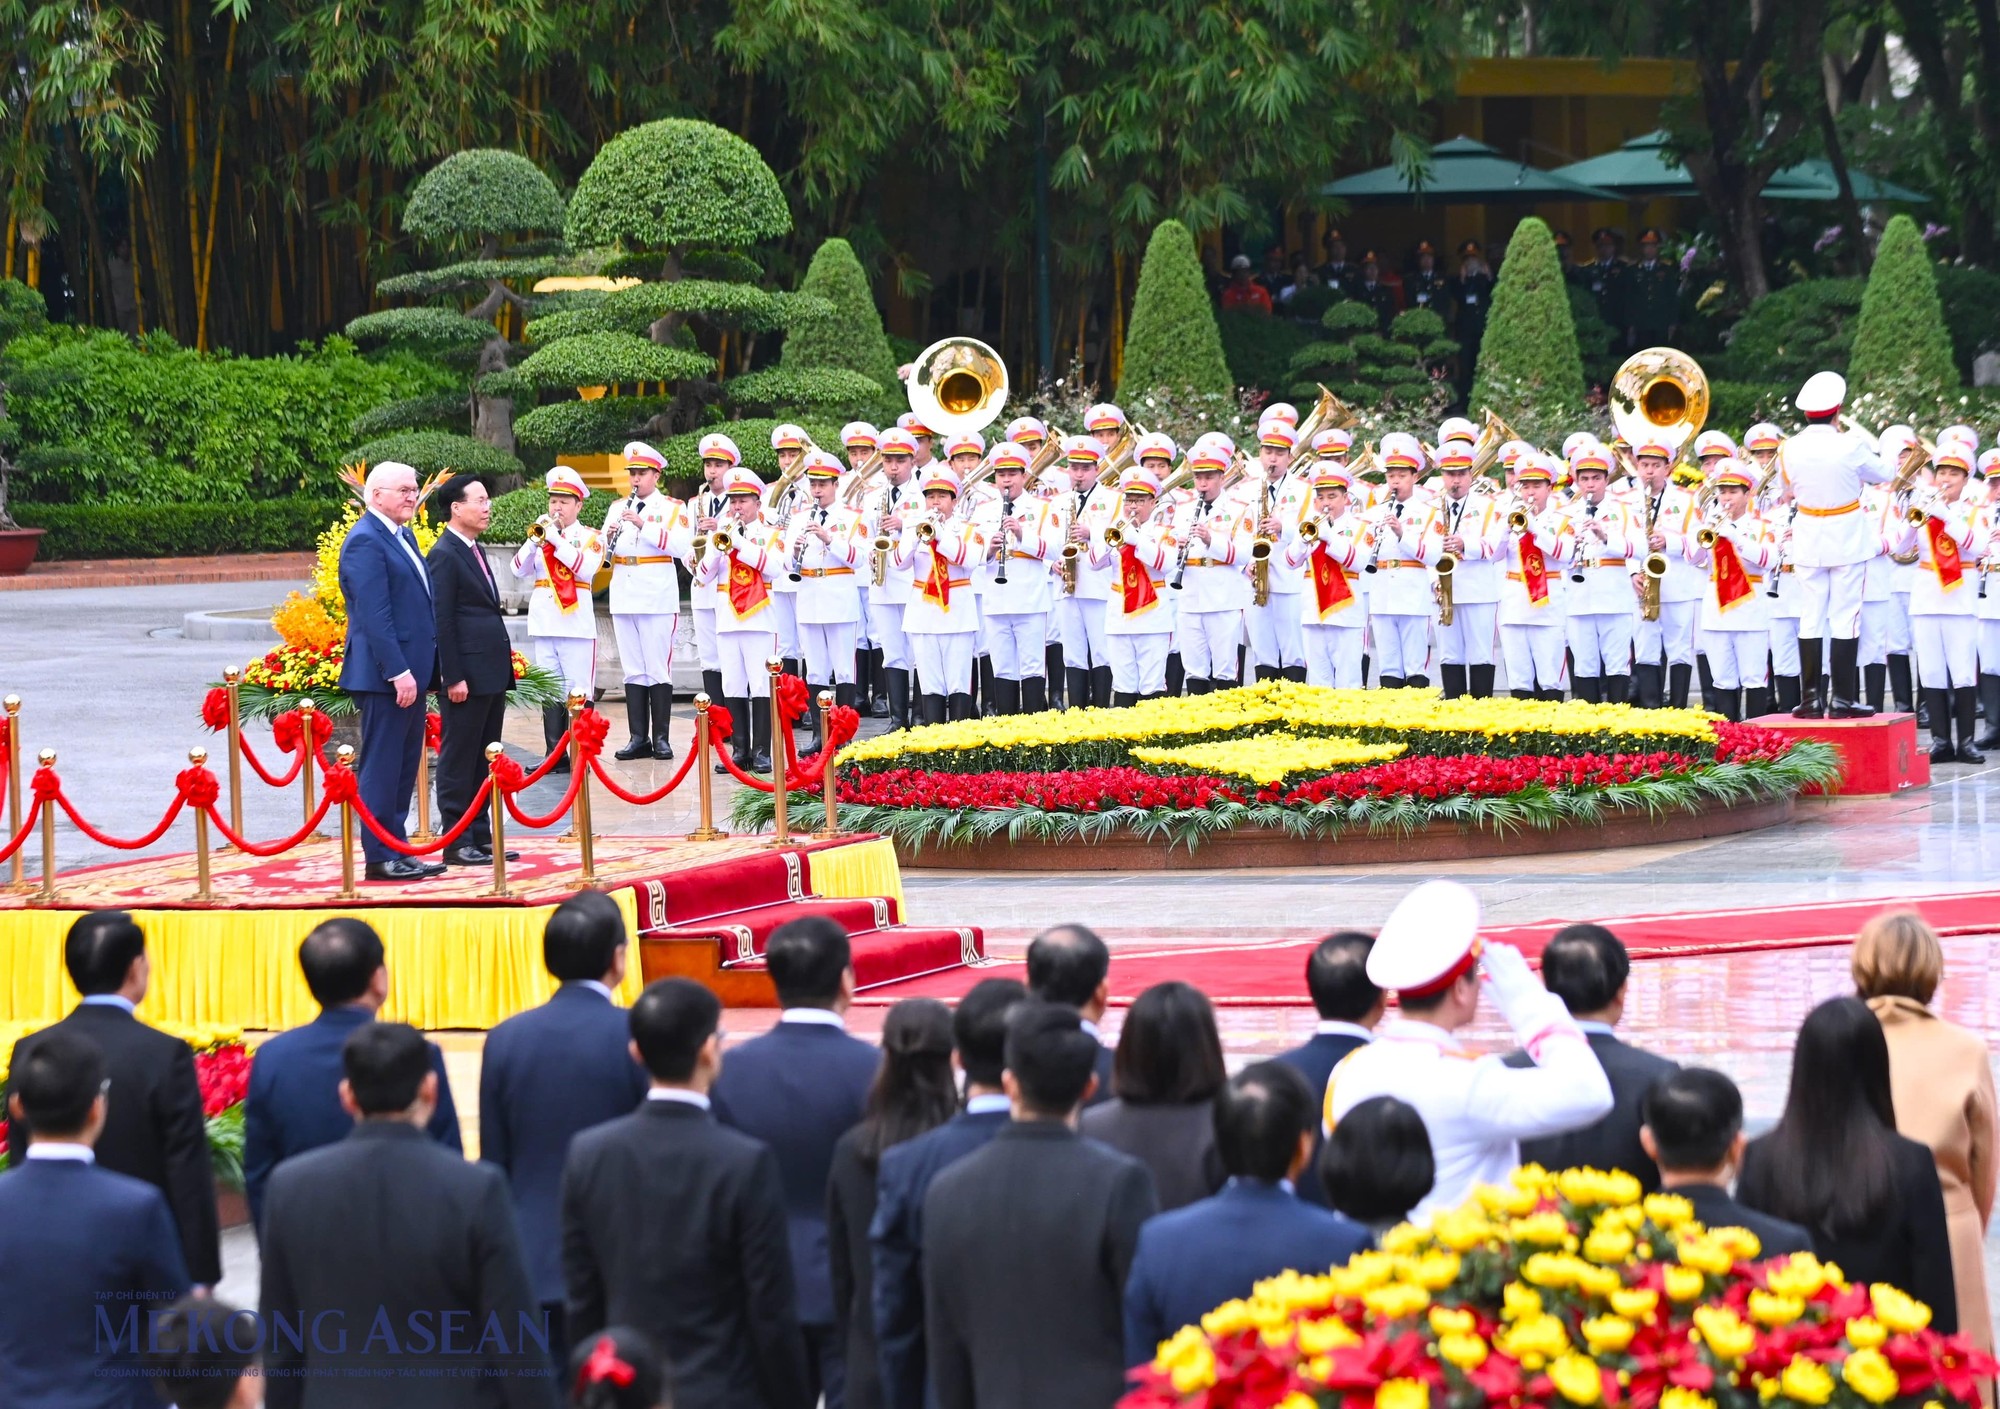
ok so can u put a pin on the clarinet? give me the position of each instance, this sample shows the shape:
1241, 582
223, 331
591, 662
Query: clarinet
1586, 555
1187, 544
1000, 542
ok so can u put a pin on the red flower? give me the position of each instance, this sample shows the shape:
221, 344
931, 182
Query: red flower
224, 1077
215, 709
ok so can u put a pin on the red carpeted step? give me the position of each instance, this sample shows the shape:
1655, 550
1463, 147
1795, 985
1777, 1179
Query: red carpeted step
901, 952
743, 933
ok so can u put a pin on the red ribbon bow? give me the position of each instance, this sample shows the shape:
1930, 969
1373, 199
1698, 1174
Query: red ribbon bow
794, 696
198, 786
590, 729
285, 729
45, 785
341, 785
605, 1364
215, 709
433, 730
720, 726
507, 775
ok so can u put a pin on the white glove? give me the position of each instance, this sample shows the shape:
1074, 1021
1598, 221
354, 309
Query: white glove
1509, 974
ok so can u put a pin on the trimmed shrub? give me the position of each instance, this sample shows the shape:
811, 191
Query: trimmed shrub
1260, 350
850, 338
1788, 335
1530, 371
1389, 378
483, 192
1173, 345
675, 182
1902, 353
1595, 340
428, 452
1734, 407
178, 530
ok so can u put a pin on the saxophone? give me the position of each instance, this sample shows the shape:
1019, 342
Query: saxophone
883, 544
1654, 569
1260, 550
1072, 552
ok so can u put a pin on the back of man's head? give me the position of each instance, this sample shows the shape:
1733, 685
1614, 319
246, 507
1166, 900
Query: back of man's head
1695, 1115
1066, 964
1051, 1056
198, 1349
1337, 977
806, 959
583, 937
979, 1027
57, 1082
100, 949
1585, 966
670, 1022
340, 959
1259, 1117
385, 1065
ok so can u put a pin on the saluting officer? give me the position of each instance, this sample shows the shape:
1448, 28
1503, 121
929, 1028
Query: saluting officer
643, 534
1653, 303
562, 620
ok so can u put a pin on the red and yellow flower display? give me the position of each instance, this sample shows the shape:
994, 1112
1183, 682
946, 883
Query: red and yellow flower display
1565, 1291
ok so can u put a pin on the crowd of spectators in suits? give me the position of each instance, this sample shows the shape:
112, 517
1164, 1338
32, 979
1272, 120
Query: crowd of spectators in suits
992, 1208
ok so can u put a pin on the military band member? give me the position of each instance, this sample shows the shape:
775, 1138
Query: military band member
1276, 647
561, 559
1031, 433
1137, 552
942, 618
1212, 566
1104, 423
1987, 472
643, 534
859, 440
1878, 596
1711, 448
1328, 549
1663, 649
719, 456
746, 634
1022, 537
821, 550
1735, 547
1600, 608
1824, 468
922, 435
1400, 605
1531, 611
789, 445
886, 510
1084, 508
1471, 528
1944, 606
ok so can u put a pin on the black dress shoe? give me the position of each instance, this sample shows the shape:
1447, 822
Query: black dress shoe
663, 750
1968, 754
475, 856
401, 868
638, 748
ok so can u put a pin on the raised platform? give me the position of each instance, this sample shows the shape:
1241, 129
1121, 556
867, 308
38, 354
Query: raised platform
1878, 756
458, 956
1251, 850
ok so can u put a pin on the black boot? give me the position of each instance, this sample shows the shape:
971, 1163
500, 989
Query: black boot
959, 706
1651, 685
933, 708
1680, 678
898, 682
1965, 703
1875, 684
1100, 685
1389, 682
1121, 700
555, 719
1522, 694
1551, 696
1617, 689
818, 724
660, 700
1589, 688
1294, 673
987, 702
1899, 684
1076, 691
1846, 679
1034, 695
1006, 697
1812, 686
739, 734
1417, 682
1176, 673
794, 666
636, 712
760, 736
1989, 693
1711, 699
1729, 704
1266, 672
1756, 703
1198, 685
1784, 693
1480, 681
711, 685
1055, 674
1939, 704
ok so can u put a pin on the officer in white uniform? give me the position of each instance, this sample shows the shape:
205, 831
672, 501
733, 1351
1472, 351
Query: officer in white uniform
1139, 610
719, 456
746, 631
858, 441
1944, 601
1824, 468
1276, 647
1014, 583
1600, 604
789, 444
1735, 610
1987, 475
1663, 650
1531, 592
1400, 605
885, 510
562, 618
1472, 529
942, 618
643, 534
1333, 615
1476, 1109
821, 550
1211, 571
1083, 508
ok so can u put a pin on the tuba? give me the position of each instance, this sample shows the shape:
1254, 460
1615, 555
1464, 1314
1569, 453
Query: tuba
957, 385
1660, 392
1493, 434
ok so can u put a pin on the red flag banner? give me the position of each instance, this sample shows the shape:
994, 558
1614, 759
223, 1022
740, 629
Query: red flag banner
1534, 570
561, 580
1135, 581
1732, 583
1944, 554
748, 592
1330, 587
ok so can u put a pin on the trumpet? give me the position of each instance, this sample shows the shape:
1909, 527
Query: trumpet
1447, 565
1924, 504
1517, 521
721, 541
927, 529
1309, 530
537, 532
1114, 535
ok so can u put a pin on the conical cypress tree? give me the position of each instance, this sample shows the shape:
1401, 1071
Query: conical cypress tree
1173, 345
852, 338
1530, 371
1902, 358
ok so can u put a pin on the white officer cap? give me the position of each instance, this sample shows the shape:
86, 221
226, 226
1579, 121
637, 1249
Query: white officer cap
1575, 441
1456, 428
1823, 393
1962, 433
641, 456
1279, 411
1429, 941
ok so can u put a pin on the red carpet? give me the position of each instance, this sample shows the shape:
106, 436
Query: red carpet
1272, 974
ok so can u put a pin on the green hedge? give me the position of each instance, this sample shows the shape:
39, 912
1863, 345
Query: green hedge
513, 513
177, 530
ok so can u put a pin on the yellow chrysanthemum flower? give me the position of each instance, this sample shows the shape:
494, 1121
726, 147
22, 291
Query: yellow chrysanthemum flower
1403, 1394
1668, 1210
1902, 1313
1607, 1335
1576, 1379
1866, 1333
1869, 1374
1506, 1198
1724, 1332
1325, 1333
1228, 1319
1451, 1321
1767, 1309
1546, 1229
1800, 1275
1533, 1340
1704, 1254
1807, 1381
1462, 1229
1608, 1245
1518, 1302
1403, 1240
1467, 1352
1396, 1301
1594, 1188
1683, 1283
1635, 1303
1680, 1397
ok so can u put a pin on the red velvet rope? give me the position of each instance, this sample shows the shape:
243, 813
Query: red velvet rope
27, 830
6, 740
550, 819
340, 779
257, 764
644, 799
729, 762
250, 848
556, 755
188, 782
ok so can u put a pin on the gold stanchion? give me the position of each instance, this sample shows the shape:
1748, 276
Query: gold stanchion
704, 773
232, 683
203, 894
830, 826
306, 713
17, 874
579, 761
781, 832
344, 756
494, 752
47, 896
574, 704
423, 833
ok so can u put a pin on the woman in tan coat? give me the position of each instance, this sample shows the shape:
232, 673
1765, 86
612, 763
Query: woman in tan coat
1943, 1089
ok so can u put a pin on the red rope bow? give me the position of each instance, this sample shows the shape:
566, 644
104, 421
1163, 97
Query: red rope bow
285, 730
198, 787
46, 786
215, 709
590, 729
720, 726
604, 1364
794, 696
342, 785
433, 731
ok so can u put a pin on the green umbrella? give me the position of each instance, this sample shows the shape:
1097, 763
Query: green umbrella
1463, 172
1814, 181
1643, 169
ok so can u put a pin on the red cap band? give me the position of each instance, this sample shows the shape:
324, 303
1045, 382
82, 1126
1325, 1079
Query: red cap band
1446, 979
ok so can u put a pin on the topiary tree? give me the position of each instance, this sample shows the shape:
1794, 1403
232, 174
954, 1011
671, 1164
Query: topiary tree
1596, 342
675, 202
1394, 376
1530, 371
1173, 345
1902, 352
850, 340
1788, 335
472, 204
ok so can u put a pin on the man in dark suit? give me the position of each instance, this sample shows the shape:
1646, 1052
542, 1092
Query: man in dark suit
397, 1258
391, 659
1349, 1007
90, 1251
896, 1237
1586, 966
156, 1130
475, 662
1028, 1241
799, 1088
1694, 1131
1070, 964
674, 1224
293, 1104
554, 1071
1193, 1259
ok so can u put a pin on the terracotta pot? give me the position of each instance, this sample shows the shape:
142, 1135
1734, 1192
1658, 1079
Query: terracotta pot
18, 547
232, 1208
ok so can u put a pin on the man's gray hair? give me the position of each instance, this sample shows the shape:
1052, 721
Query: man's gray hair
378, 478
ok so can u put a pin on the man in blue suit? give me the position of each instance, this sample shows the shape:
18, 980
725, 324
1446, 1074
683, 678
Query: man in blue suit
1193, 1259
799, 1088
1349, 1008
293, 1104
93, 1251
391, 659
554, 1071
896, 1237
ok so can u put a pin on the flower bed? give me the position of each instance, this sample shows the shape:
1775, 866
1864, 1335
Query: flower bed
1301, 761
1565, 1290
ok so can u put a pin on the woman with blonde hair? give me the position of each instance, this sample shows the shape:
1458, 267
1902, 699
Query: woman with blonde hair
1943, 1088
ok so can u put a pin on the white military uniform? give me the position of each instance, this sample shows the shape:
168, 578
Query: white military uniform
1671, 513
707, 504
1137, 632
565, 637
1734, 636
942, 616
1476, 1109
1944, 616
1333, 627
1468, 639
1273, 629
1215, 586
746, 633
1531, 627
1014, 614
1400, 605
1988, 600
645, 585
888, 598
1080, 614
1601, 609
829, 613
1832, 537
